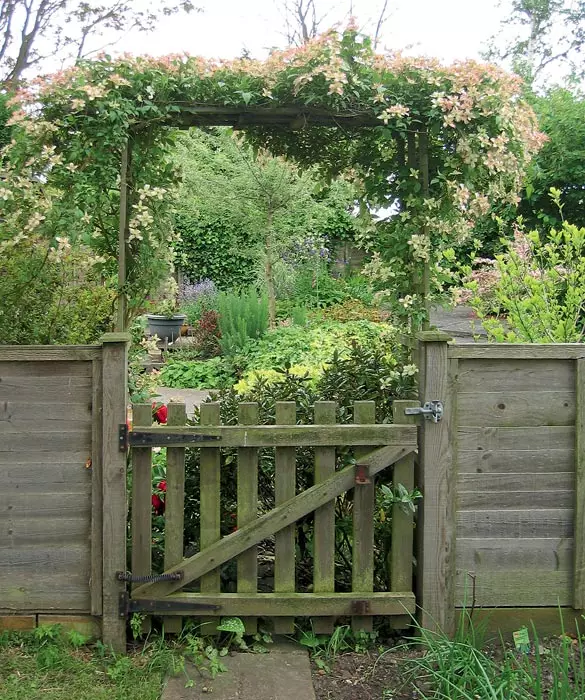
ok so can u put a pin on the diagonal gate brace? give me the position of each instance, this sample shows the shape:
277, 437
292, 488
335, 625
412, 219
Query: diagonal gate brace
280, 517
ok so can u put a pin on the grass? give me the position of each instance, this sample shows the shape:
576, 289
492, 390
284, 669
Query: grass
51, 664
463, 668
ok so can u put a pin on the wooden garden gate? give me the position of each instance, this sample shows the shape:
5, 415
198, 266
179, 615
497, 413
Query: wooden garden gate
377, 447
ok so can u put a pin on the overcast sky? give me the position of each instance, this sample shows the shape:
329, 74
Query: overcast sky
447, 29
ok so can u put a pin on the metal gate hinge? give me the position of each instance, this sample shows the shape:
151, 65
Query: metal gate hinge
128, 605
148, 438
431, 410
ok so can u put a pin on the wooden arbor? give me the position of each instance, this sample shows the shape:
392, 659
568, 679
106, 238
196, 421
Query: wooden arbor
292, 118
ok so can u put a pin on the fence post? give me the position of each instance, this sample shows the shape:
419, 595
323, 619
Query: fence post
114, 402
436, 480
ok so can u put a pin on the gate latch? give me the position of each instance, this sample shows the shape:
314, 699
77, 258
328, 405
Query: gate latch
431, 410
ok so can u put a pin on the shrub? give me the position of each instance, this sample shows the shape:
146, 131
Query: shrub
314, 345
241, 317
196, 374
352, 310
537, 287
195, 298
206, 335
52, 296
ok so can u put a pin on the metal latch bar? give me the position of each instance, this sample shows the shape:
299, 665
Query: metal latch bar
431, 410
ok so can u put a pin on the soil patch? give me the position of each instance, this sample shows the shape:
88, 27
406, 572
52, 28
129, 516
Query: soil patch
369, 676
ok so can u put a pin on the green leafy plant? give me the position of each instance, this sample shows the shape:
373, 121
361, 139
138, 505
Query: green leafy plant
241, 317
214, 373
538, 286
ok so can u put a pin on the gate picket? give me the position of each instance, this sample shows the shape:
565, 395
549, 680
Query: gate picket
364, 495
284, 489
174, 505
248, 509
209, 507
324, 529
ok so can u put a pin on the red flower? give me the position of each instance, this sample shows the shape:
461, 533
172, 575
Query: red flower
162, 485
159, 414
158, 504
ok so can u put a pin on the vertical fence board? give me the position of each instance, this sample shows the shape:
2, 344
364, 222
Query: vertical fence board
436, 479
210, 508
579, 527
142, 502
97, 505
324, 534
284, 489
114, 399
402, 551
363, 523
174, 506
248, 509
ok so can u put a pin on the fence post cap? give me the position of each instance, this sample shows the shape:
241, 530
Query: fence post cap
115, 338
433, 337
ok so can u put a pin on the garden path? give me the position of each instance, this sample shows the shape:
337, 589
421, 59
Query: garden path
284, 673
190, 397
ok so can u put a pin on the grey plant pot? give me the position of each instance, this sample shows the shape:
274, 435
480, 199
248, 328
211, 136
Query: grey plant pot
165, 326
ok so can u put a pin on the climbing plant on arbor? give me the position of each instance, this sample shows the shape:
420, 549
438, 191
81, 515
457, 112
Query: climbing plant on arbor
440, 144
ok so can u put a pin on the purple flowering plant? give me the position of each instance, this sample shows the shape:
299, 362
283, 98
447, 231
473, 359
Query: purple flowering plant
197, 298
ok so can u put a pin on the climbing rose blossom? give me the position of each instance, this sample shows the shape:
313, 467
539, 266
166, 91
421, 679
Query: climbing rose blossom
159, 414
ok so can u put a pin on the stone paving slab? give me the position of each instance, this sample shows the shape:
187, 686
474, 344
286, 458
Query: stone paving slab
282, 674
190, 397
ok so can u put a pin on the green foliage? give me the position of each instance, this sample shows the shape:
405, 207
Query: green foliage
313, 346
325, 648
196, 374
215, 248
232, 201
538, 287
459, 669
48, 298
241, 317
560, 164
5, 113
50, 662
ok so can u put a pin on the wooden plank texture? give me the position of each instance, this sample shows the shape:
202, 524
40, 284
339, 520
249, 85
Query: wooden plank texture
498, 462
517, 408
97, 506
579, 514
436, 557
43, 458
63, 368
554, 522
141, 557
25, 531
43, 353
48, 441
49, 390
284, 490
266, 525
298, 604
516, 481
402, 550
484, 500
532, 439
364, 496
515, 588
516, 375
324, 535
248, 509
114, 486
174, 505
17, 506
513, 351
210, 506
291, 435
509, 554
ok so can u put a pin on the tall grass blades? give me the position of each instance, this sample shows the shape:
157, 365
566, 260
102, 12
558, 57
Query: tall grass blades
463, 668
241, 317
